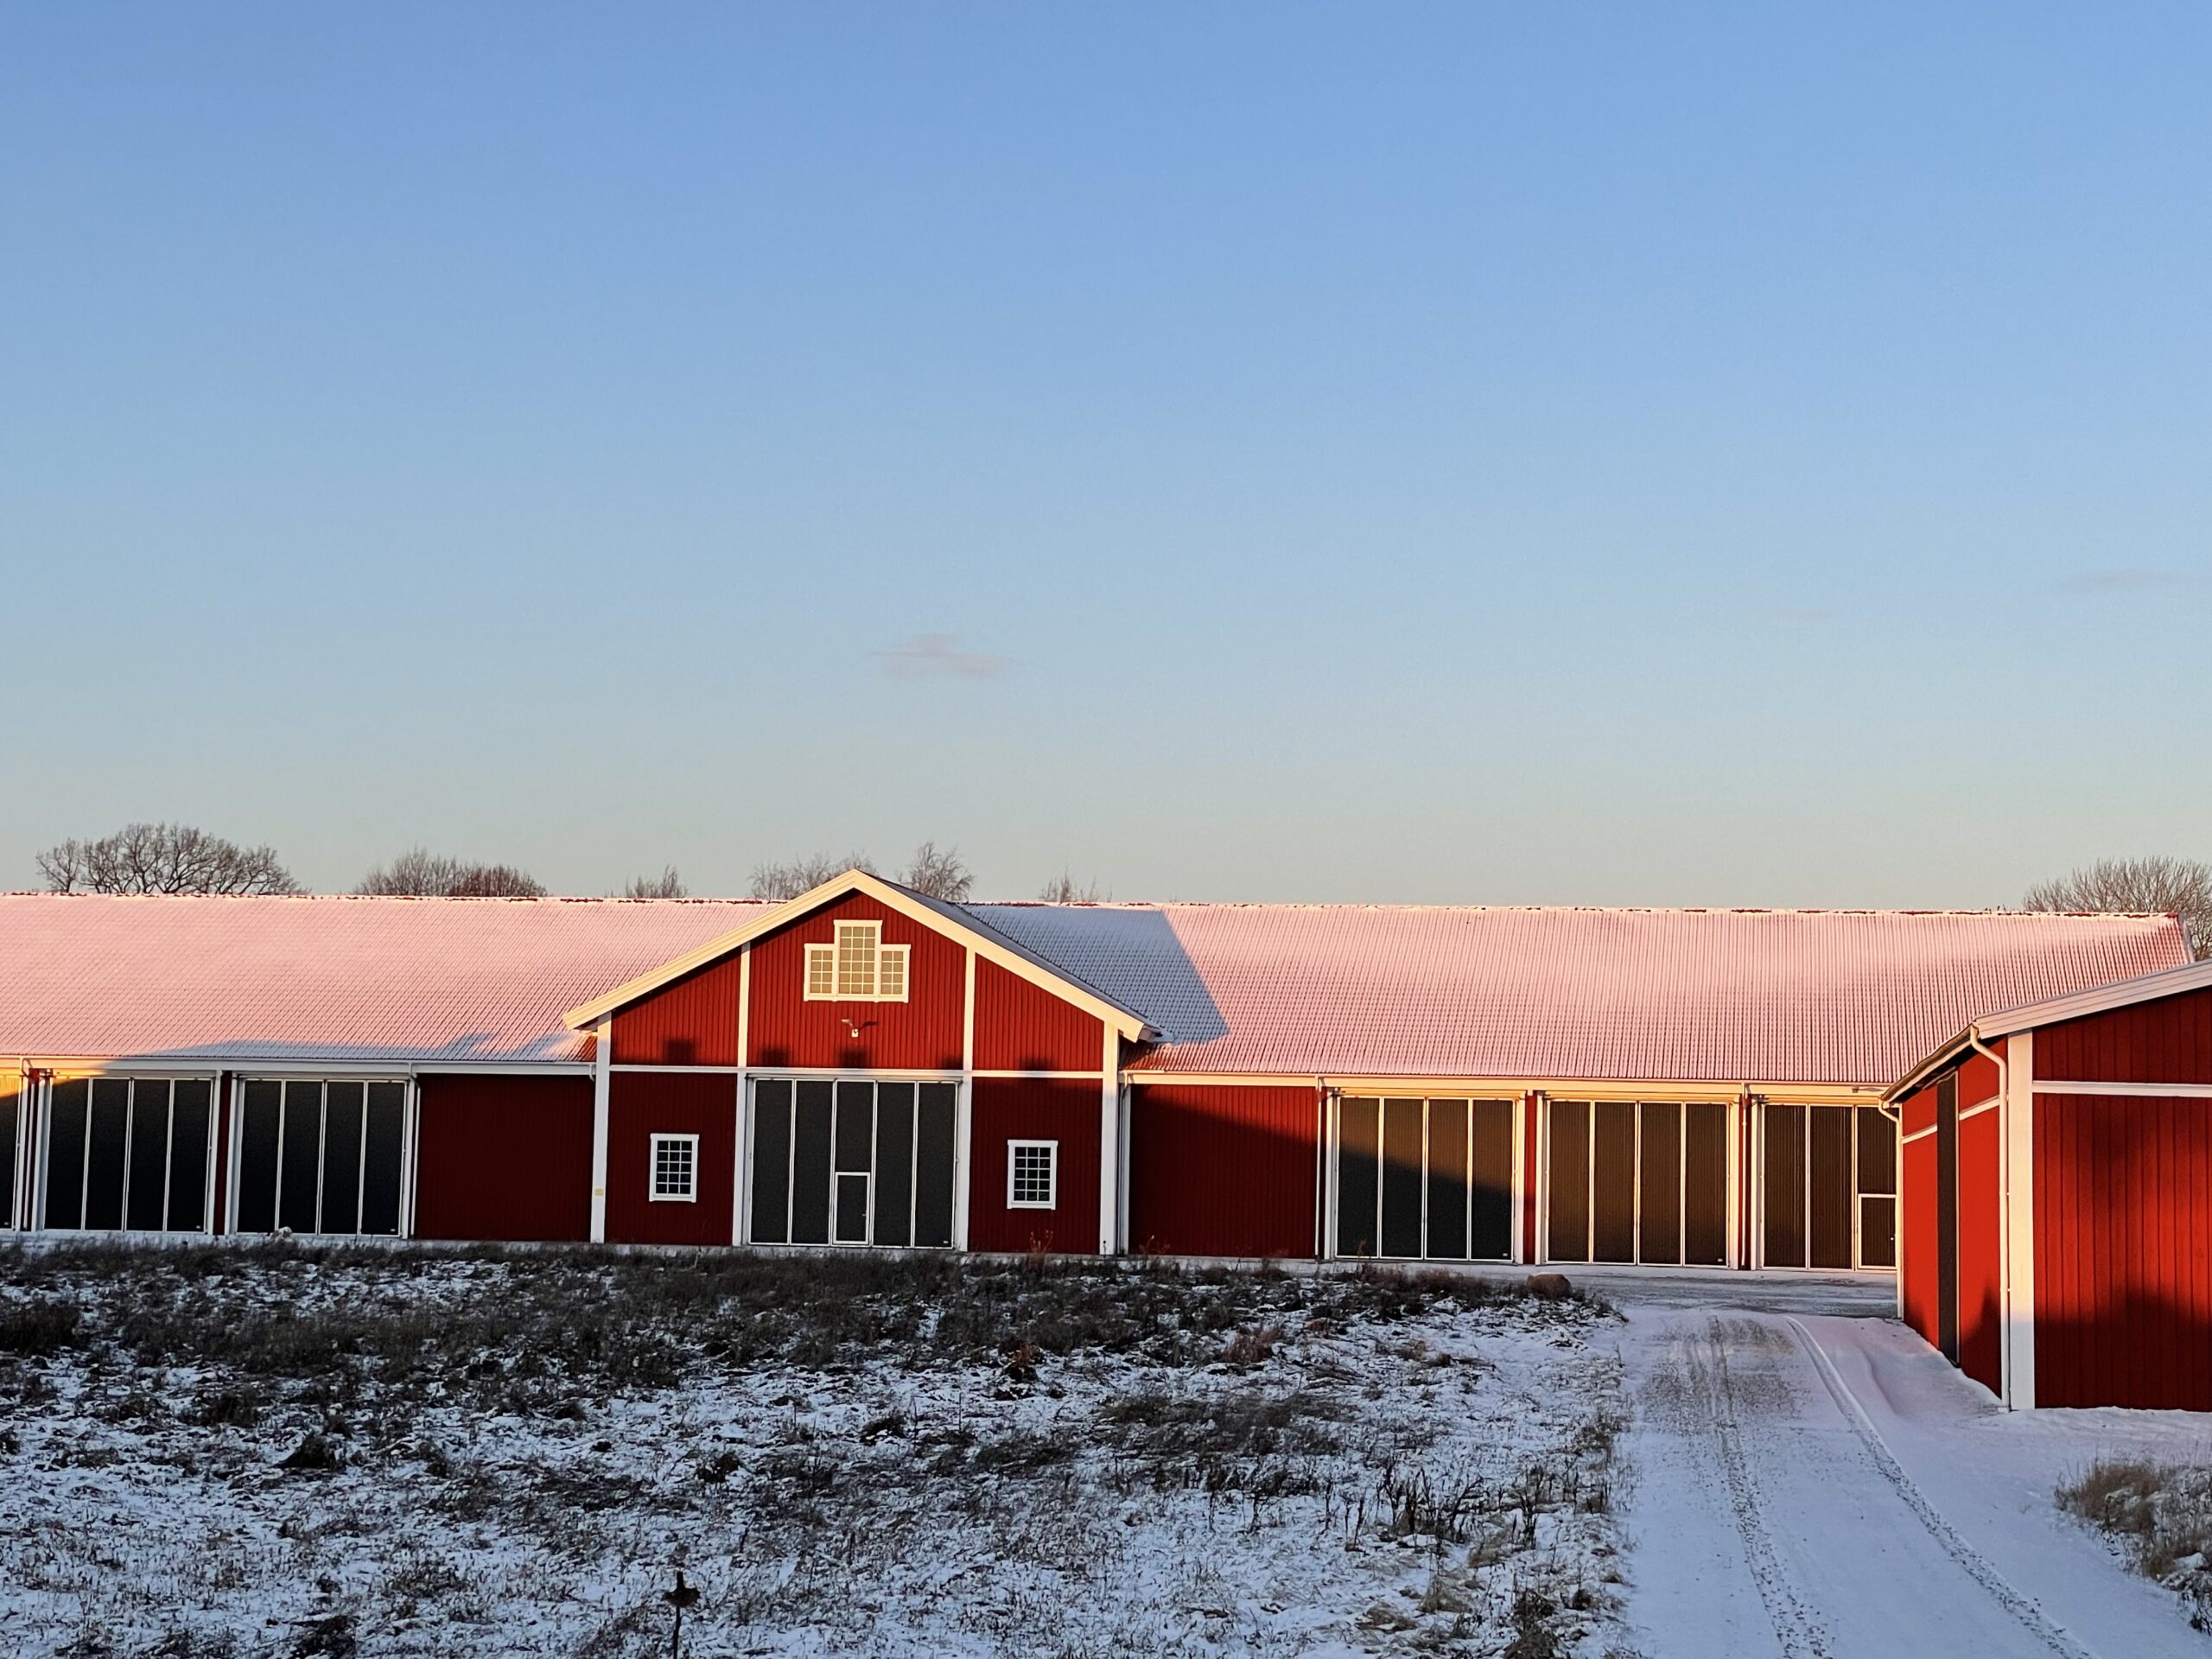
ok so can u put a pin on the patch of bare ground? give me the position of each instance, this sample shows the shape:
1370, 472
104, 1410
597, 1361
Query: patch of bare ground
2158, 1516
293, 1450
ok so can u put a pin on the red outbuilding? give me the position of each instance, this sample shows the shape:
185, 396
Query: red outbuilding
866, 1066
2057, 1192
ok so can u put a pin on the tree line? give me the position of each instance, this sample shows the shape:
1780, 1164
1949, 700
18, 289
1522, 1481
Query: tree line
176, 858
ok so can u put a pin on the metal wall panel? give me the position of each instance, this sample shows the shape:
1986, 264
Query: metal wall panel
692, 1022
2123, 1220
1035, 1109
504, 1159
1183, 1136
1981, 1317
1783, 1169
641, 1104
1566, 1231
925, 1033
2166, 1041
1024, 1027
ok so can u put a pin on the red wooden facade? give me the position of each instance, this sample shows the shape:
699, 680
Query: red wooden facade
1222, 1170
504, 1159
2081, 1201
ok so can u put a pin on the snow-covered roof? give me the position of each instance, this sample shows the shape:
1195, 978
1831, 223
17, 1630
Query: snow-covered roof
1300, 990
401, 980
1637, 995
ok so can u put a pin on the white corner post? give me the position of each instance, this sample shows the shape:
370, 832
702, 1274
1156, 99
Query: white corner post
741, 1198
1110, 1143
963, 1110
2020, 1221
602, 1078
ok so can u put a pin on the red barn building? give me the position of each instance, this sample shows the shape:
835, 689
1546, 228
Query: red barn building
866, 1066
2057, 1171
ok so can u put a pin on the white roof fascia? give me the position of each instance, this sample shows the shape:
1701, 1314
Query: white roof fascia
985, 941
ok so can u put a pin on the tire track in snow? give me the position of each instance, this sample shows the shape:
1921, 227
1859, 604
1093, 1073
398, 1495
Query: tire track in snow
1798, 1631
1969, 1560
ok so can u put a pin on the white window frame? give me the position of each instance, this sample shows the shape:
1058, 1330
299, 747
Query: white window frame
652, 1169
1051, 1151
829, 955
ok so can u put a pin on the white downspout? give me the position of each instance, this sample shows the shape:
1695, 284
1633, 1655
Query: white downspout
2005, 1201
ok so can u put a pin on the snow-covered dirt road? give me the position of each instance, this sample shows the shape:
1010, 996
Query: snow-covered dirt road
1814, 1486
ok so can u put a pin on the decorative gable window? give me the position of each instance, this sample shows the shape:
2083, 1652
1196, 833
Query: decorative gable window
856, 966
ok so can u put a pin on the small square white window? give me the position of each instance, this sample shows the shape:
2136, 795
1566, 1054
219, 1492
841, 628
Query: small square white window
676, 1169
821, 972
1032, 1174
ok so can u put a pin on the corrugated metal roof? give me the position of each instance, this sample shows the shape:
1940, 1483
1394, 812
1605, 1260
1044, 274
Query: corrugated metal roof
1775, 996
1634, 995
325, 978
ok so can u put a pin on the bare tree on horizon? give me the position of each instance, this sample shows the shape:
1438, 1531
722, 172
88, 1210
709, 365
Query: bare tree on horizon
667, 885
419, 873
2156, 884
163, 858
940, 872
1062, 890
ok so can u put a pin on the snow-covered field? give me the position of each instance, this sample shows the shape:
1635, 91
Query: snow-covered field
290, 1451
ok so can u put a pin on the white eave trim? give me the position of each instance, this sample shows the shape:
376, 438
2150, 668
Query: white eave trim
2122, 994
2148, 988
1130, 1024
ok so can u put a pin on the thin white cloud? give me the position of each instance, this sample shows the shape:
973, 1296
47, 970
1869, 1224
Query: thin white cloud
939, 656
2127, 581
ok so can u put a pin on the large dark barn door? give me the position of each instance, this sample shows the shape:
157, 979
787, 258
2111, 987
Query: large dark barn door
318, 1156
1878, 1188
1829, 1186
1643, 1183
129, 1152
855, 1162
1424, 1179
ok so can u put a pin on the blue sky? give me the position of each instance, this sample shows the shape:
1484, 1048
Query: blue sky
1595, 454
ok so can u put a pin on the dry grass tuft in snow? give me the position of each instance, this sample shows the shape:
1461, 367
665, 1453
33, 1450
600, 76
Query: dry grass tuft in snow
2159, 1515
292, 1451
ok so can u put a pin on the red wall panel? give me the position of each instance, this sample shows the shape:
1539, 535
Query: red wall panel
2123, 1201
1024, 1027
504, 1158
642, 1104
1222, 1170
2166, 1041
692, 1022
1035, 1109
1980, 1269
1918, 1226
925, 1033
1917, 1111
1977, 1079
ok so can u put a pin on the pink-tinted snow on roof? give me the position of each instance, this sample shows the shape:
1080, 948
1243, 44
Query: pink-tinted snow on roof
1344, 990
326, 978
1633, 995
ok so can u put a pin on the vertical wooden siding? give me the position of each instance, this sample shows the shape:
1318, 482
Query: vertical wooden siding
2166, 1041
1980, 1268
504, 1158
925, 1033
1035, 1109
692, 1022
1917, 1232
1024, 1027
2123, 1202
1222, 1170
641, 1104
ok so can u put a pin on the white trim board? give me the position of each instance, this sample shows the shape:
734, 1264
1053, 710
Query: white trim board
950, 923
2182, 1090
